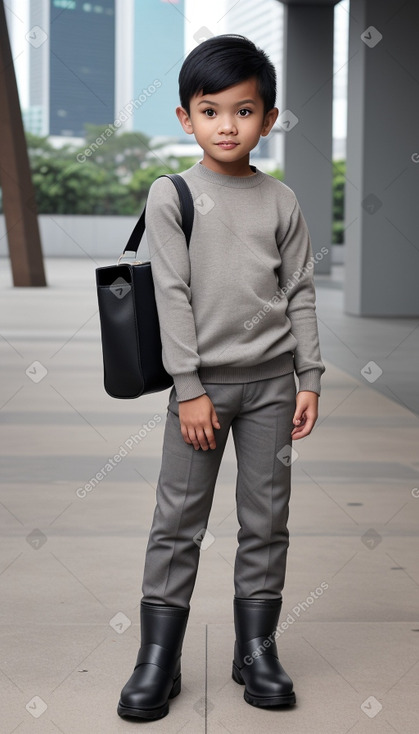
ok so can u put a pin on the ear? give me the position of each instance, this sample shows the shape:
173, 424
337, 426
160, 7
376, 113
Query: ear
184, 120
269, 121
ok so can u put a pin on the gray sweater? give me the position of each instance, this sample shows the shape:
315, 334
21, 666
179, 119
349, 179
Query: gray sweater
240, 306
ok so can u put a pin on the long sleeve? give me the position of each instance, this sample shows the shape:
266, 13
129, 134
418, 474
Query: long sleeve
295, 277
170, 266
222, 316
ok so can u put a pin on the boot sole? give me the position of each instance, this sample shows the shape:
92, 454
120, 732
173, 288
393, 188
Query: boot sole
262, 701
151, 714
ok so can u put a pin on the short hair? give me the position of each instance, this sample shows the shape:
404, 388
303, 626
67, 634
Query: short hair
221, 61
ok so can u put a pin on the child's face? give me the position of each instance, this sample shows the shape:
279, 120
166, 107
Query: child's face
228, 125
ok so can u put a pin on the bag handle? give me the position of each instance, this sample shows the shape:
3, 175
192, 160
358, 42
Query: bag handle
186, 209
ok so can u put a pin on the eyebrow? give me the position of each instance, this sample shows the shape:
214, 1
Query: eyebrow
215, 104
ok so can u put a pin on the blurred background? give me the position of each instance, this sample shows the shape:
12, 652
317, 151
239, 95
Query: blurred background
93, 64
88, 92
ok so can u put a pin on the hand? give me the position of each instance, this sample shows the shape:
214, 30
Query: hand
197, 419
306, 413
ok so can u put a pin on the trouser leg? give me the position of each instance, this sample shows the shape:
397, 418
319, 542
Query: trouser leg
260, 430
184, 497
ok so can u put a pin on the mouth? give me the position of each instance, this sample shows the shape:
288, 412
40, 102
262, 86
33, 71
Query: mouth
227, 144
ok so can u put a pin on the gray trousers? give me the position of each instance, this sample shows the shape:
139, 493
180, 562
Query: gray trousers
260, 414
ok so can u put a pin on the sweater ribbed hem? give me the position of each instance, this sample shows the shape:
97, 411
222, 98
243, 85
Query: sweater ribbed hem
280, 365
190, 384
310, 380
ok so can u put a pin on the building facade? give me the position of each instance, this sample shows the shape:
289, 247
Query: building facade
159, 28
262, 23
82, 65
70, 65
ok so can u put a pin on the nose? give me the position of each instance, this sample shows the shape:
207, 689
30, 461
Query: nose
226, 124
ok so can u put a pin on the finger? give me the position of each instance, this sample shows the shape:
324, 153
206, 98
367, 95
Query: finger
214, 420
302, 431
193, 438
298, 417
298, 430
202, 439
210, 437
184, 433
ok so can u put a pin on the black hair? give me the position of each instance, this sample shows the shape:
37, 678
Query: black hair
221, 61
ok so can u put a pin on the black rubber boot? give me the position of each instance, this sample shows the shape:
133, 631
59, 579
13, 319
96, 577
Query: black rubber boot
256, 664
156, 676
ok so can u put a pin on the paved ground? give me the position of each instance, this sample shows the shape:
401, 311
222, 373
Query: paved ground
70, 567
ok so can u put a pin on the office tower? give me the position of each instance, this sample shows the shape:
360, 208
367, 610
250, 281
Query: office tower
158, 56
71, 65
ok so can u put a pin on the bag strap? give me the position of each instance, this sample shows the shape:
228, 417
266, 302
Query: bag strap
186, 209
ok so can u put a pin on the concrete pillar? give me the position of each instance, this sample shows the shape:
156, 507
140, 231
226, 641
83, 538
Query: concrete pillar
382, 190
306, 118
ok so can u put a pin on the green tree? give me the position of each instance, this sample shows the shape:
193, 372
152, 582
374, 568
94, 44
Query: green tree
64, 187
339, 178
277, 173
116, 151
144, 177
115, 182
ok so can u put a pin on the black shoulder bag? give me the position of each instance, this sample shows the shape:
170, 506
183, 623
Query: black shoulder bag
131, 342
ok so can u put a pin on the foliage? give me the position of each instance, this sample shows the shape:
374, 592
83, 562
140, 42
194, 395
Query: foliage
121, 152
64, 187
277, 173
339, 171
114, 178
144, 177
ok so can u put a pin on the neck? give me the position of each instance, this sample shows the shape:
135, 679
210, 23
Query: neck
236, 168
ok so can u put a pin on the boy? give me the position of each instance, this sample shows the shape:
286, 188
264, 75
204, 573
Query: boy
237, 317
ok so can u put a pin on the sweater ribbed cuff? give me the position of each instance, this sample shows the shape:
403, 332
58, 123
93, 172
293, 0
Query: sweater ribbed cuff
310, 380
188, 386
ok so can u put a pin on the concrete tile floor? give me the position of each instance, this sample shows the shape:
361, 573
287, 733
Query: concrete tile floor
70, 569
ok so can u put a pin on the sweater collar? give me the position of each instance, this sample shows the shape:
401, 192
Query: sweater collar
234, 182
